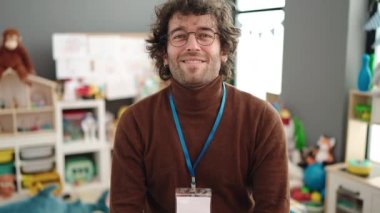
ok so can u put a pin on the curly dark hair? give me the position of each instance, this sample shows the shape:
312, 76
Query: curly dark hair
221, 10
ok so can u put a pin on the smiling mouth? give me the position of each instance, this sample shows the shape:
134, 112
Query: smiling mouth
192, 61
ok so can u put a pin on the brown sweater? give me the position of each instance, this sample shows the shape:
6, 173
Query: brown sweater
245, 164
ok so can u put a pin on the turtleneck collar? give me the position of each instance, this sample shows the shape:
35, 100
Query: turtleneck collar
190, 99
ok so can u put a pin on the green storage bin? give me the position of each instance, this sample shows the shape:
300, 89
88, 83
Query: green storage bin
6, 168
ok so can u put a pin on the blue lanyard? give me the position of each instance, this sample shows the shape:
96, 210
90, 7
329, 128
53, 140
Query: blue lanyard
189, 165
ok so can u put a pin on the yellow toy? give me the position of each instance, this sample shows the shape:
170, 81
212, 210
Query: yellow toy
316, 197
36, 182
359, 167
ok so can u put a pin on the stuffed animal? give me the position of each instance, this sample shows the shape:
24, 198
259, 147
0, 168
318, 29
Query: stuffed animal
45, 202
324, 154
14, 55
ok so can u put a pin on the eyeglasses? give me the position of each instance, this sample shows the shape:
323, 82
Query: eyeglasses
179, 38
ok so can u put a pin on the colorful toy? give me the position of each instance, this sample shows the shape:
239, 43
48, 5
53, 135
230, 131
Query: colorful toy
14, 55
364, 77
7, 185
45, 202
72, 129
363, 111
316, 197
89, 92
324, 154
89, 126
314, 177
299, 134
359, 167
298, 194
35, 182
79, 169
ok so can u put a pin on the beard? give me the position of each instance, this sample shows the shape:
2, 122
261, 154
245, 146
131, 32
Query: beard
194, 74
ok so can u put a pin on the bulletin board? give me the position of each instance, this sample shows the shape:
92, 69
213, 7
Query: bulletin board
118, 61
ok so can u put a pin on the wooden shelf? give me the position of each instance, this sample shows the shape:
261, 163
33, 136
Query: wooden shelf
35, 110
28, 139
6, 111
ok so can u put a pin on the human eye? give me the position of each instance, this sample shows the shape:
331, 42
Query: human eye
178, 36
205, 35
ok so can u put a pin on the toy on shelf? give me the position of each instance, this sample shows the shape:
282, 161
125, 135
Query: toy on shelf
363, 112
13, 55
72, 120
36, 182
89, 127
45, 202
7, 185
364, 77
76, 89
79, 169
89, 91
7, 178
359, 167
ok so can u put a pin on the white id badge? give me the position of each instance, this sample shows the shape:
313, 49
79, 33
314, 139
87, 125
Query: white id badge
190, 200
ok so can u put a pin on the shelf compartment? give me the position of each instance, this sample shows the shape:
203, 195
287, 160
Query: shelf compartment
35, 121
360, 105
41, 95
73, 124
7, 124
348, 201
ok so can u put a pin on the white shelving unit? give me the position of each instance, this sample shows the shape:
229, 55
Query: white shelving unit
69, 147
363, 134
26, 121
346, 192
357, 128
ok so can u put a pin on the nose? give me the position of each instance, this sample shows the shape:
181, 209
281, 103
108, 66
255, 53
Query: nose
192, 43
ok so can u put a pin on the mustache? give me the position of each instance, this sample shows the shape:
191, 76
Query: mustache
192, 54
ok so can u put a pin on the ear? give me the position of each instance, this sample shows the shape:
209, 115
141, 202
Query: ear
166, 59
224, 56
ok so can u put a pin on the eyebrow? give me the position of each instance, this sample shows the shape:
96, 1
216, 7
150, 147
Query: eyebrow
183, 29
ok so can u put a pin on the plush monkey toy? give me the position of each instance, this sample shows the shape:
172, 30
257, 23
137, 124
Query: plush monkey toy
14, 55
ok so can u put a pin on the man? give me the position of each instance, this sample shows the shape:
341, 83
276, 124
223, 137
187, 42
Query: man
199, 132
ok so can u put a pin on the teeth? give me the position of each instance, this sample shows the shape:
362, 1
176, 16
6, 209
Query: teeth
192, 61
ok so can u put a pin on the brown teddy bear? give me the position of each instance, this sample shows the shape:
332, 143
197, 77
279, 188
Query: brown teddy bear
14, 55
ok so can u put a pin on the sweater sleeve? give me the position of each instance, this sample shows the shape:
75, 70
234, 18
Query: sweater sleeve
270, 170
127, 176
